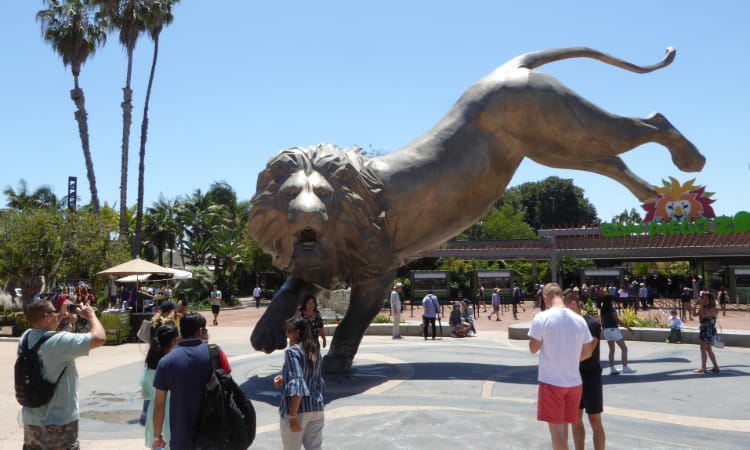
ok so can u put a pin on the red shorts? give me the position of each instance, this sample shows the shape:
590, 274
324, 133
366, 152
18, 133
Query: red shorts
558, 404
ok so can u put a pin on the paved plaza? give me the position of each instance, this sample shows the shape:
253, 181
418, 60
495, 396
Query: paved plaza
474, 393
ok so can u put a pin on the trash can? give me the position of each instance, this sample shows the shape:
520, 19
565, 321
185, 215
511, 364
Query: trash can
116, 326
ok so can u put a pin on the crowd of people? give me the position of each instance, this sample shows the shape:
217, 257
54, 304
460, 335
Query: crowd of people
173, 382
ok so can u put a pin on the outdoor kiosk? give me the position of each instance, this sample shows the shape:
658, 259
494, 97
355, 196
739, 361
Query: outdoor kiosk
603, 277
424, 281
739, 284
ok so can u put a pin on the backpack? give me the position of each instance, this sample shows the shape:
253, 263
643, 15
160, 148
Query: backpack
228, 417
32, 390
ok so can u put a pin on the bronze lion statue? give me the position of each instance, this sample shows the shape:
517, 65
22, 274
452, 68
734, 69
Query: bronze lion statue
329, 215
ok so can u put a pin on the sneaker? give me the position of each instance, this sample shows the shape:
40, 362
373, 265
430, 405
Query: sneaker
398, 336
627, 369
614, 371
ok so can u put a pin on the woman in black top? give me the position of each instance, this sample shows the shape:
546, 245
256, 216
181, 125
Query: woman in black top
309, 311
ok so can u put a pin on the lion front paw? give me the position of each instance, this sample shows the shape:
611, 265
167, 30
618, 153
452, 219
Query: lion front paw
266, 337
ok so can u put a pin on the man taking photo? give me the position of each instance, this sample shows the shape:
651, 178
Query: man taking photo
55, 424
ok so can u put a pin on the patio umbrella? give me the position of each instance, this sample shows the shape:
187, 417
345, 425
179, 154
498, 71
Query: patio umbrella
136, 266
174, 274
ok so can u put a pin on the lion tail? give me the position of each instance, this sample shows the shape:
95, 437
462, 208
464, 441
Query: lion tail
536, 59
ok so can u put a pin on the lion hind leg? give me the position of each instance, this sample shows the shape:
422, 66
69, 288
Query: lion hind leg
684, 154
590, 139
365, 303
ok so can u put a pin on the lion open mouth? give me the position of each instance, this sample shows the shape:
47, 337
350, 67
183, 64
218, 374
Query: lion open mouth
307, 237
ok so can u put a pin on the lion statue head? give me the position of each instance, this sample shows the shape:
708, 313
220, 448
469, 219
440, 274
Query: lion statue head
319, 212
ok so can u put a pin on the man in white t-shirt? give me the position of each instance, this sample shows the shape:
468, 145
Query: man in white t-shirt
396, 309
562, 339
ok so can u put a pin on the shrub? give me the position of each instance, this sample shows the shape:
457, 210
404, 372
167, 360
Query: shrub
590, 308
381, 318
629, 317
22, 324
196, 305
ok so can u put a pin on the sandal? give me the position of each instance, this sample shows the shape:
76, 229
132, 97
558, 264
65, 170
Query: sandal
699, 370
715, 370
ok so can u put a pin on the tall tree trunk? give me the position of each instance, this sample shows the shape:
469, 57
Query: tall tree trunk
142, 153
81, 116
127, 119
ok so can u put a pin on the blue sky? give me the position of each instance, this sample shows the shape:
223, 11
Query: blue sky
237, 81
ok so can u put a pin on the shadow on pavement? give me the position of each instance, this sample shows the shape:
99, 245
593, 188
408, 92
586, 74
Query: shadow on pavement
368, 376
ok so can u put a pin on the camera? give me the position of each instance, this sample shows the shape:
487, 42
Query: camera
74, 308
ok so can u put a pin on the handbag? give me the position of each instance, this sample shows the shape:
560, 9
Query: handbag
718, 340
144, 332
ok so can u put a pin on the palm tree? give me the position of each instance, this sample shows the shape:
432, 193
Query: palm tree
74, 33
161, 227
127, 16
25, 200
160, 14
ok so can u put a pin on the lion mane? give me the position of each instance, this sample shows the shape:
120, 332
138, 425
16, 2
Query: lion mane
691, 198
354, 236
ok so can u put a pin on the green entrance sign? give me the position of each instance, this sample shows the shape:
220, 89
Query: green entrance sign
740, 223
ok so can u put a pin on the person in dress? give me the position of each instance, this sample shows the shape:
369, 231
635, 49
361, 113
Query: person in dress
301, 382
707, 312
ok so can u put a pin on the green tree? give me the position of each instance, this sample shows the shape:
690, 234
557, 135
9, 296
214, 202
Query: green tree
570, 269
159, 16
42, 245
499, 223
506, 223
552, 202
626, 216
74, 32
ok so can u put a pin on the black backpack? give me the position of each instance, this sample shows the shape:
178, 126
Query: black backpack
228, 417
32, 390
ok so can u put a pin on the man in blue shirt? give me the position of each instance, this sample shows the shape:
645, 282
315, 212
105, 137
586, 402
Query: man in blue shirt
431, 310
184, 372
55, 425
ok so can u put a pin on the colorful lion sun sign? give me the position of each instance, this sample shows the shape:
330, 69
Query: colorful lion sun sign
679, 203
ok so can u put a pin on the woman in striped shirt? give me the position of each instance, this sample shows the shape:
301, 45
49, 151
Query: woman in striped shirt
301, 384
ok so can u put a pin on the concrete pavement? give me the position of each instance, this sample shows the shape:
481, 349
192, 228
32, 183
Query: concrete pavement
476, 393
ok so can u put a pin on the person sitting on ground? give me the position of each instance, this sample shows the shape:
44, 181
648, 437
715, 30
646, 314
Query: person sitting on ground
459, 328
675, 328
467, 316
